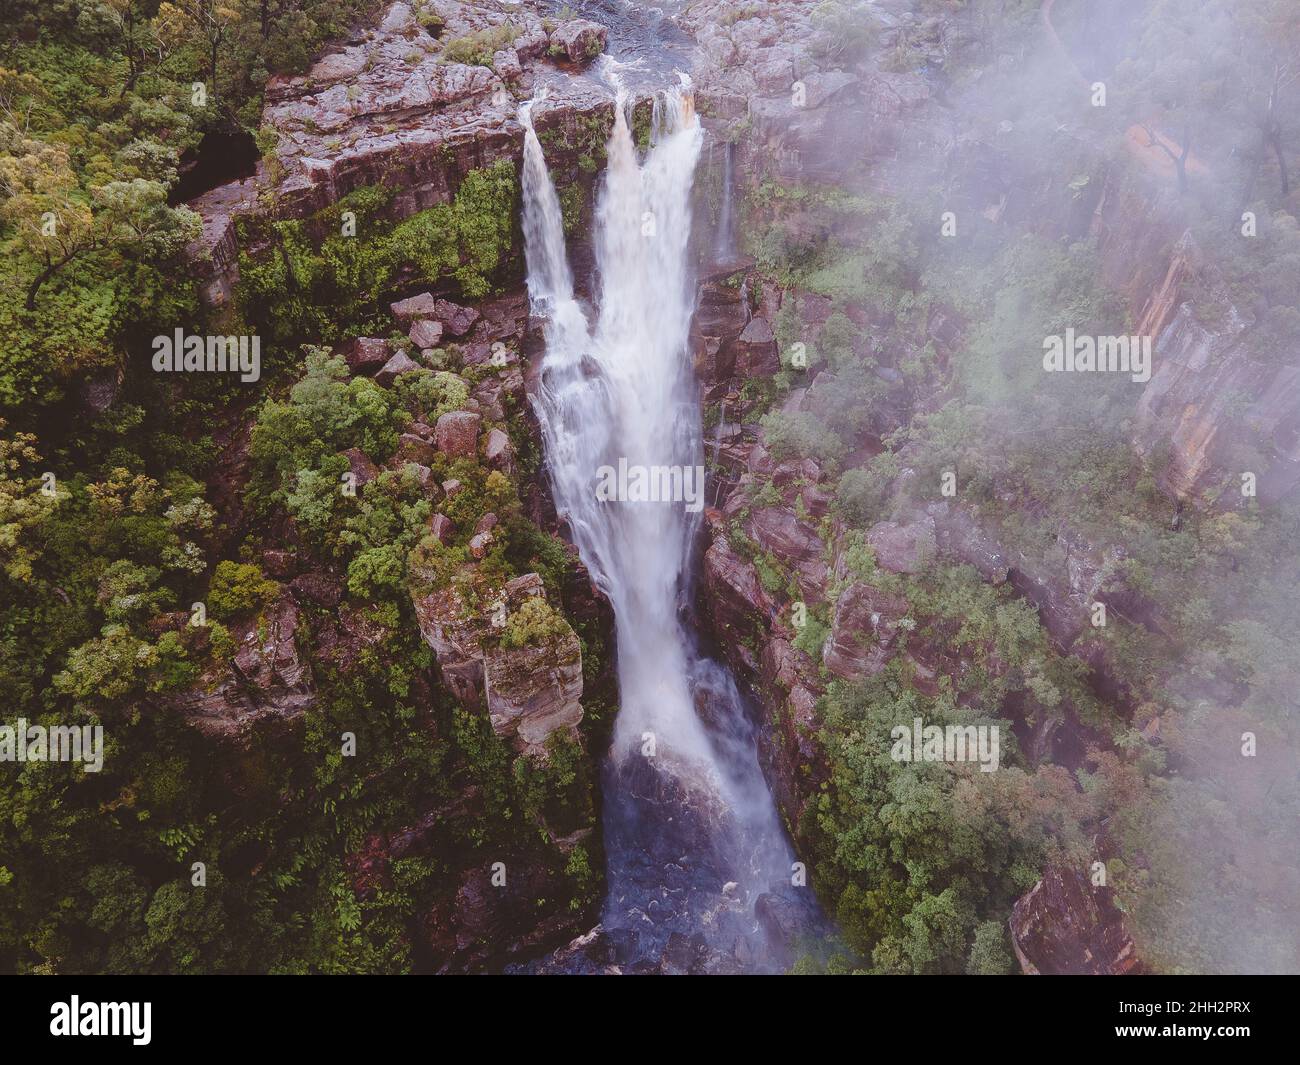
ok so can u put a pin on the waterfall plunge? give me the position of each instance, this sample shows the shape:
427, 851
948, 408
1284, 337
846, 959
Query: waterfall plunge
695, 815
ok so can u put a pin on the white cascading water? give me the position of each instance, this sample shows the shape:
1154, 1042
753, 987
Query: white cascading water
621, 387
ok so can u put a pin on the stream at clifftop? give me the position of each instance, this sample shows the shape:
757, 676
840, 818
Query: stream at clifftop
700, 874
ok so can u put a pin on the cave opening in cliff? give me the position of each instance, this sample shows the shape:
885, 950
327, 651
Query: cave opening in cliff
223, 156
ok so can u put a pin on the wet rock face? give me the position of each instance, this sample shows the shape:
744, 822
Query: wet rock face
864, 628
1064, 926
736, 595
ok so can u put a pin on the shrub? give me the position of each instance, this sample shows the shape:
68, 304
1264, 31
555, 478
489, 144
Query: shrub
534, 622
801, 435
239, 588
477, 49
432, 393
864, 492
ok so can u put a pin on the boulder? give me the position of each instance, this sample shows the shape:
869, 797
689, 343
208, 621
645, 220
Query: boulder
366, 354
412, 448
441, 528
425, 334
578, 40
480, 544
411, 310
497, 451
456, 320
456, 433
396, 366
1065, 926
363, 469
492, 392
428, 482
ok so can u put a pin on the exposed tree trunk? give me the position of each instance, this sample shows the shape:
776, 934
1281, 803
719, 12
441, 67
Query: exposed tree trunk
1248, 193
212, 67
290, 278
50, 270
1179, 160
1276, 141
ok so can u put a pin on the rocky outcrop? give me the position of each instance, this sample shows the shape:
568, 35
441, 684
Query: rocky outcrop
1219, 410
268, 682
400, 106
412, 109
578, 40
901, 548
863, 629
215, 253
1064, 926
1216, 406
528, 692
493, 912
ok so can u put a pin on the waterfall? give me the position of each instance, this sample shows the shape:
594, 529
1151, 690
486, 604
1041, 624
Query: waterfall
691, 832
724, 247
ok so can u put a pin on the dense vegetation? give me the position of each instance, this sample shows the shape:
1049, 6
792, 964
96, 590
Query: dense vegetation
920, 863
112, 524
118, 516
